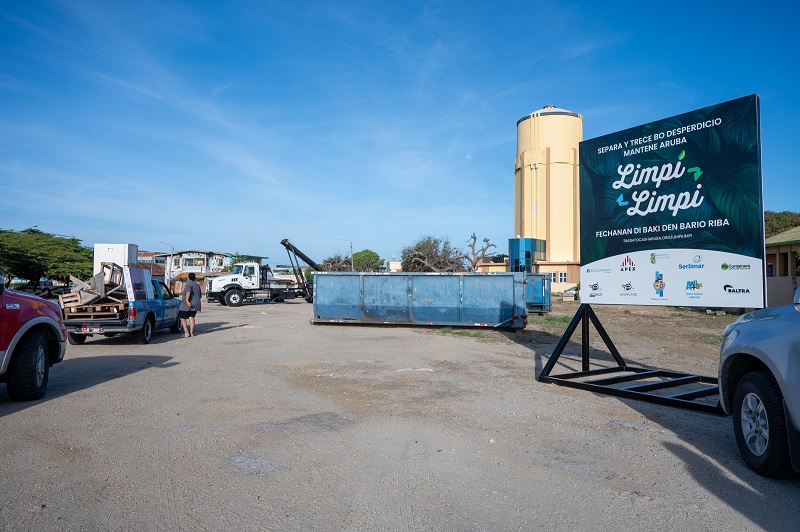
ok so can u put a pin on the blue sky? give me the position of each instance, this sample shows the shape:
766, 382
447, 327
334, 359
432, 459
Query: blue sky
229, 126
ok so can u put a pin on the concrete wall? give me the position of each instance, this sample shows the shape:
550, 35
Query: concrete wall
780, 290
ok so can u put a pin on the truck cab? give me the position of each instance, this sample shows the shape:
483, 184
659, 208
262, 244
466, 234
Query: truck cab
32, 339
248, 281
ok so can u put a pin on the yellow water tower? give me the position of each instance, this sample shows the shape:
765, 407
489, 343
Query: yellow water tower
546, 193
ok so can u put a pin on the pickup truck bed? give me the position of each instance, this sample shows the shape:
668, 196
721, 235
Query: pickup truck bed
138, 317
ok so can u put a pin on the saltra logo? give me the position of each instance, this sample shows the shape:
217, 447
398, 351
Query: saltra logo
731, 290
627, 265
693, 285
659, 284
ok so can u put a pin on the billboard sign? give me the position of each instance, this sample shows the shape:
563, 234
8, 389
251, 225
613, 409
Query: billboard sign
672, 211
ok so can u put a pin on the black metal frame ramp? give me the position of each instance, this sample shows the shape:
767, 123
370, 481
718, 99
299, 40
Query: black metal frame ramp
628, 381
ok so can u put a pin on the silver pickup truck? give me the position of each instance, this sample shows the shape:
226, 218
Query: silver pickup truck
759, 385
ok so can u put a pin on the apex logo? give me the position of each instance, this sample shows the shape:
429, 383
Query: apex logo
627, 265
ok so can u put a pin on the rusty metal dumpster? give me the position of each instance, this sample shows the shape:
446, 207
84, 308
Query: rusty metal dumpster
440, 299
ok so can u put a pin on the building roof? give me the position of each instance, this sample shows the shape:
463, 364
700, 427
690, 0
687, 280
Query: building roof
176, 252
156, 270
790, 236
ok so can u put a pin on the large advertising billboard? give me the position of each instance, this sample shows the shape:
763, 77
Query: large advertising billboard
672, 211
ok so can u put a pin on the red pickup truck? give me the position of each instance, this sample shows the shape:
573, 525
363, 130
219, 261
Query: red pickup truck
32, 338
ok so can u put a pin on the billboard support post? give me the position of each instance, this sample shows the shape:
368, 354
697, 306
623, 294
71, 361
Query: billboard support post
645, 384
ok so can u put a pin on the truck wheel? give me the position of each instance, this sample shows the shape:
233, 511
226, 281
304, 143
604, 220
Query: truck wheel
76, 339
221, 301
233, 298
760, 425
30, 368
144, 334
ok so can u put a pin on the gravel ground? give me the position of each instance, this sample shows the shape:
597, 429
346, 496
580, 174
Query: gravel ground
265, 422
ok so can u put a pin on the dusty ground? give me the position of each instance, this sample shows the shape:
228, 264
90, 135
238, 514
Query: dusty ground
266, 422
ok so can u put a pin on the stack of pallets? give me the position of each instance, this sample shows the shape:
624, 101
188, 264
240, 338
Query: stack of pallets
103, 297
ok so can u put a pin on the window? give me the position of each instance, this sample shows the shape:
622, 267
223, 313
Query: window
562, 277
194, 261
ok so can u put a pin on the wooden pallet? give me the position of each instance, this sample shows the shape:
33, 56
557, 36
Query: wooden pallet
99, 311
94, 316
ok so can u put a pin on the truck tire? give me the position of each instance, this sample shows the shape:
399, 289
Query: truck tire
144, 334
30, 368
234, 298
175, 328
221, 301
759, 425
76, 339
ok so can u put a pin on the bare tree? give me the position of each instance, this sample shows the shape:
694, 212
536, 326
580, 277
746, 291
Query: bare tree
336, 263
432, 254
475, 254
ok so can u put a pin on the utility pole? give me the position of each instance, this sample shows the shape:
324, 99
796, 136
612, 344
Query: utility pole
168, 269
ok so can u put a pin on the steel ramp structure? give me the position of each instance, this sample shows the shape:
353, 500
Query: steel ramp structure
666, 387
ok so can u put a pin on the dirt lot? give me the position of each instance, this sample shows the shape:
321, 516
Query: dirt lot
266, 422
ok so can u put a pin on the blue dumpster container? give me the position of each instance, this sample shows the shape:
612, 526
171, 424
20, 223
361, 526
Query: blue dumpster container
441, 299
537, 293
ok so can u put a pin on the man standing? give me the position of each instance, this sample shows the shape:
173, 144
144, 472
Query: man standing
190, 305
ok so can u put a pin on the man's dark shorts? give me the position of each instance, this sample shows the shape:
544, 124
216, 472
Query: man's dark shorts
183, 314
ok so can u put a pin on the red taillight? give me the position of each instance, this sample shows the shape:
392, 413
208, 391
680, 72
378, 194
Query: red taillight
131, 312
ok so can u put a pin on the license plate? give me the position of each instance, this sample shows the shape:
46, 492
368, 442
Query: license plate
89, 327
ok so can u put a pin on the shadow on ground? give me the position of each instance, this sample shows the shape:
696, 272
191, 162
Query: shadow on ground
76, 374
708, 449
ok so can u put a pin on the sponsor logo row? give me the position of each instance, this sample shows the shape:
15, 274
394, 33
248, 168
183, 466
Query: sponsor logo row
697, 264
693, 288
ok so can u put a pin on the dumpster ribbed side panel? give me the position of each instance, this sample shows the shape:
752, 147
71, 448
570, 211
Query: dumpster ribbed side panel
537, 293
490, 300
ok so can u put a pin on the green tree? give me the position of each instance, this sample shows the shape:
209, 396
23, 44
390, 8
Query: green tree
778, 222
366, 261
432, 254
31, 254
